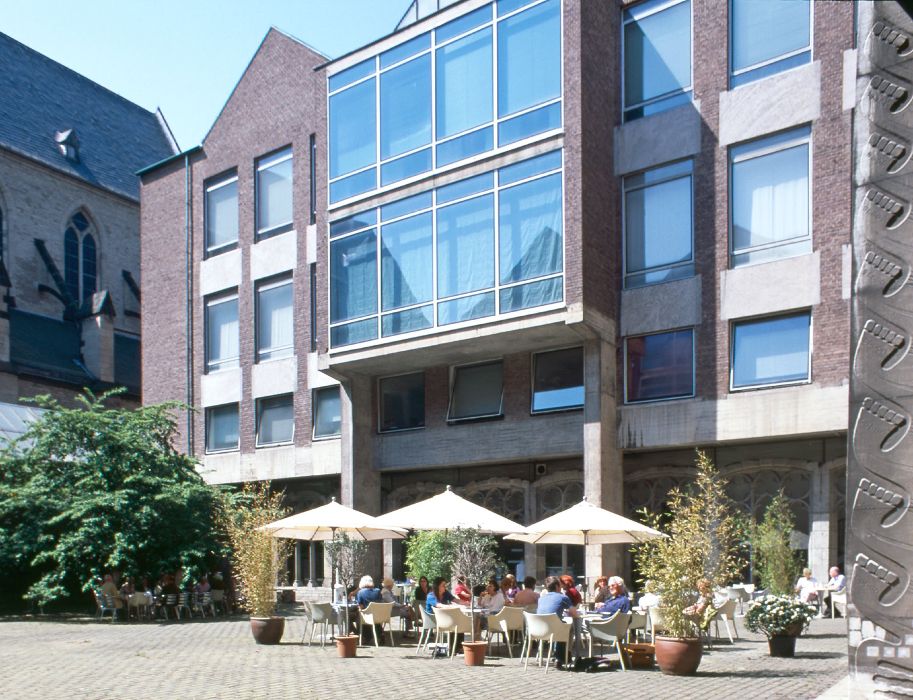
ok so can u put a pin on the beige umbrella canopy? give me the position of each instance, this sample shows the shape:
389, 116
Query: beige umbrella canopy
322, 522
585, 523
447, 511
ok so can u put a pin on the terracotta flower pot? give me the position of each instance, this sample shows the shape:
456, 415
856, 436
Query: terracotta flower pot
678, 656
267, 630
347, 645
783, 645
474, 653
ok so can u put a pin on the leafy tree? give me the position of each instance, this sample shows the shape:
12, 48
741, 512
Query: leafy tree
778, 564
475, 558
93, 489
429, 553
348, 557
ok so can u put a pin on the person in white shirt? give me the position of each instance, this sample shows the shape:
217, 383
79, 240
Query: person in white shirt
805, 587
837, 581
493, 599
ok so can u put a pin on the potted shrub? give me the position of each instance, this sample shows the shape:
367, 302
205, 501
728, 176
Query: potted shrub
778, 565
347, 559
475, 559
257, 557
701, 543
782, 618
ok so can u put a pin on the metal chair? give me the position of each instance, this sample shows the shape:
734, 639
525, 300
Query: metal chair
105, 604
378, 614
321, 614
204, 602
218, 600
170, 601
611, 631
452, 621
545, 628
186, 603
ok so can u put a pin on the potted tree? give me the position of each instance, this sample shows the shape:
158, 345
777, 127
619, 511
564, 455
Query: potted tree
701, 543
475, 559
257, 556
347, 558
778, 565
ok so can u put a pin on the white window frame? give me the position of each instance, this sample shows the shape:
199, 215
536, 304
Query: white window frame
693, 393
265, 163
258, 415
638, 13
625, 188
435, 141
380, 404
454, 371
227, 363
756, 148
810, 48
770, 317
314, 436
266, 286
208, 429
210, 186
532, 381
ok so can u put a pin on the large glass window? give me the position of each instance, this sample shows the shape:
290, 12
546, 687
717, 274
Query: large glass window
770, 198
275, 420
221, 332
657, 56
221, 214
274, 193
80, 257
222, 428
558, 380
327, 409
771, 350
275, 320
402, 402
438, 253
477, 391
768, 37
658, 225
659, 366
407, 137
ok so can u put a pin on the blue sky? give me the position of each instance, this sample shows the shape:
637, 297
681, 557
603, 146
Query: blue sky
185, 56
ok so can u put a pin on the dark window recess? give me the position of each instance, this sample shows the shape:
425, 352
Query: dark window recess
402, 402
312, 149
477, 391
558, 380
313, 273
660, 366
327, 409
71, 262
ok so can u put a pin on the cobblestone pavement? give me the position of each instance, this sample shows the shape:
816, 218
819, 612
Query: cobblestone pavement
218, 659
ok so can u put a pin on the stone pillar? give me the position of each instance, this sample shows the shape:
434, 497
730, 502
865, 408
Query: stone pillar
98, 337
819, 522
297, 582
602, 465
879, 558
312, 564
359, 481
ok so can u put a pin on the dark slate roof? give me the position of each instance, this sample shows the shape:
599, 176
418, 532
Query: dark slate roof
39, 97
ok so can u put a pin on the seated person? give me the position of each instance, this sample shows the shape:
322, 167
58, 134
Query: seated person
109, 588
202, 586
421, 590
837, 581
704, 604
438, 595
509, 588
601, 589
617, 600
461, 592
528, 595
570, 590
366, 595
404, 611
649, 599
553, 601
805, 587
492, 599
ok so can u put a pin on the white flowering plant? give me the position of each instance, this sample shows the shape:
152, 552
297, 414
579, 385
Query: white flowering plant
779, 615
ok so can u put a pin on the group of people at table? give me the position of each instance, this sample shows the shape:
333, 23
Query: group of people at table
120, 592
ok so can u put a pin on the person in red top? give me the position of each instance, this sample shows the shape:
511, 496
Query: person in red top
567, 583
462, 594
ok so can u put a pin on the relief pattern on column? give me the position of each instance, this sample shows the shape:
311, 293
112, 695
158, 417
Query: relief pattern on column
880, 462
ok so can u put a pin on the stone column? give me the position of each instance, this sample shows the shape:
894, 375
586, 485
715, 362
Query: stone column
819, 522
98, 337
879, 559
312, 564
359, 481
602, 465
297, 582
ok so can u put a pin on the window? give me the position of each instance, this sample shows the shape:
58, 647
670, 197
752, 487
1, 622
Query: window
221, 213
274, 193
438, 253
431, 100
771, 351
312, 176
477, 391
657, 57
221, 333
658, 225
275, 420
770, 198
327, 412
402, 402
312, 269
659, 366
768, 37
558, 380
80, 257
275, 320
222, 428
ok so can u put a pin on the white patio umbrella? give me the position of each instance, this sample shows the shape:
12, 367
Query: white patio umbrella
585, 523
321, 523
447, 511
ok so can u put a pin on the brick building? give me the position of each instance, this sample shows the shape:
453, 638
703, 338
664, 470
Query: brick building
554, 246
69, 228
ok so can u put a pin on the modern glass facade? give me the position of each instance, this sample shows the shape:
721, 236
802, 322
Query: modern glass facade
487, 79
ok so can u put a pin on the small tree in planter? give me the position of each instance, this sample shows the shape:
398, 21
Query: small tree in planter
347, 559
475, 559
702, 542
778, 565
429, 553
257, 556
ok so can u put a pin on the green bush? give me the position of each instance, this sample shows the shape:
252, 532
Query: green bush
430, 553
778, 564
